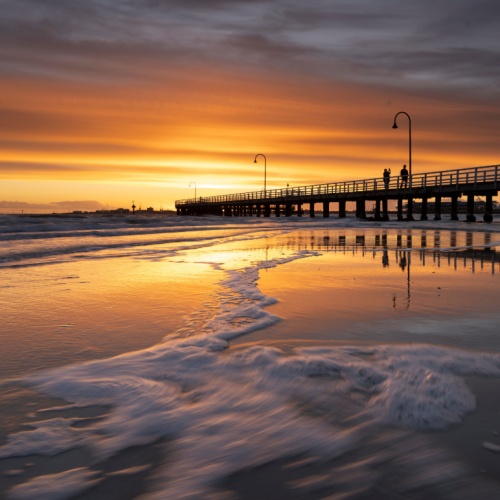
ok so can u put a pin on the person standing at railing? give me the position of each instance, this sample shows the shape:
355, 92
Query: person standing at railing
387, 177
404, 176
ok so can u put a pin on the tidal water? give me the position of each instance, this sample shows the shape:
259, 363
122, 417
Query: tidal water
172, 357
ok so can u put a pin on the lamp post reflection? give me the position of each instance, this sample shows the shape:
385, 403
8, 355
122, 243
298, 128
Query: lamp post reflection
265, 169
404, 257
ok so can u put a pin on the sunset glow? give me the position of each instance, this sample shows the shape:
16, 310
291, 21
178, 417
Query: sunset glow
153, 98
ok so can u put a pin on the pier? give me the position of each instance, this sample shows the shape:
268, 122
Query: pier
436, 186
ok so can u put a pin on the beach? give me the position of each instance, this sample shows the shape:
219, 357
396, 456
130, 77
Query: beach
205, 357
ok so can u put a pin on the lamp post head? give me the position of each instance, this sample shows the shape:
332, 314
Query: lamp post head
255, 161
395, 124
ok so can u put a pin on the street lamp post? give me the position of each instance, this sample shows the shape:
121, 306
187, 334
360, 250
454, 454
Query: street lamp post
194, 188
265, 169
395, 125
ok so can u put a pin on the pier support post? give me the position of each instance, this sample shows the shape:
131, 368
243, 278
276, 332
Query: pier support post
288, 209
267, 210
385, 209
488, 209
360, 208
410, 209
454, 207
377, 209
342, 214
326, 209
437, 208
299, 209
423, 214
400, 208
277, 210
311, 209
470, 208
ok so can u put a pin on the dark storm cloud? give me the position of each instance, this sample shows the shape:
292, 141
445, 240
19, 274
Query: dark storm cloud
460, 62
269, 47
198, 4
364, 41
465, 19
83, 44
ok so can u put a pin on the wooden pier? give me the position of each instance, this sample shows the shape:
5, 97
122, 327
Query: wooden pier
447, 184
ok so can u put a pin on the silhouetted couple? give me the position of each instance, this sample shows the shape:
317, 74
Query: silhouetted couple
403, 177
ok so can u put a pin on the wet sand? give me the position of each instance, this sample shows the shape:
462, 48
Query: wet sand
387, 462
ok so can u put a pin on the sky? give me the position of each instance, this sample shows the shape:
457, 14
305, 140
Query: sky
107, 102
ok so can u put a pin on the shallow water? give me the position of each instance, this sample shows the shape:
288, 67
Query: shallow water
300, 359
387, 288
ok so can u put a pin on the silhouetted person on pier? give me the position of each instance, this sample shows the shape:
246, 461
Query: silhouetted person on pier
404, 176
387, 177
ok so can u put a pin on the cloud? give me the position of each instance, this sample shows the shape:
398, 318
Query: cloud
81, 204
257, 47
84, 205
475, 21
371, 41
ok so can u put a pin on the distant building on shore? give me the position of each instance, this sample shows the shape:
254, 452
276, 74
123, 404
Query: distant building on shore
127, 211
116, 211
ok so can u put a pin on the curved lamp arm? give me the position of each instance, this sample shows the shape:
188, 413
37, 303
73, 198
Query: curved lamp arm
395, 125
265, 168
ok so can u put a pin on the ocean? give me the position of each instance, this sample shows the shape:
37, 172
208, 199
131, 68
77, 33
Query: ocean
174, 357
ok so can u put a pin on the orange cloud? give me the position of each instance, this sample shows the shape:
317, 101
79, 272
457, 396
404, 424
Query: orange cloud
206, 124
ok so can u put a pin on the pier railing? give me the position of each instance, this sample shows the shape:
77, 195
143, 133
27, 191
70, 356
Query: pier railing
472, 177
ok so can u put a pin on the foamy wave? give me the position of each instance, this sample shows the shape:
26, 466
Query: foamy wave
55, 486
222, 412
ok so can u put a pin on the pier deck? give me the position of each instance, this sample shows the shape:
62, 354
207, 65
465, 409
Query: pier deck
446, 184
